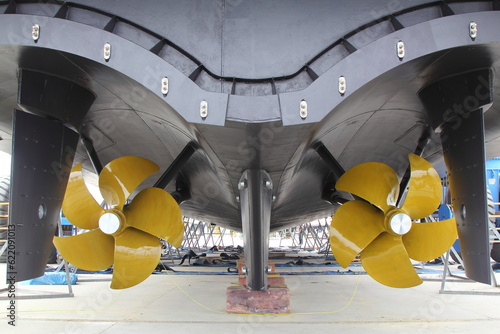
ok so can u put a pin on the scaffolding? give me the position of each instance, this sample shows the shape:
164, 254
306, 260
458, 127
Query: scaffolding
309, 236
494, 236
63, 264
203, 236
447, 273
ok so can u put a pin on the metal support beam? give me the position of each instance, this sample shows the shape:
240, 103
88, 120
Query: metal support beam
329, 159
94, 159
329, 193
455, 107
176, 166
182, 192
256, 189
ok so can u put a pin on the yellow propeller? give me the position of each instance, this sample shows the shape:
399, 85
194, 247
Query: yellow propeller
123, 236
384, 235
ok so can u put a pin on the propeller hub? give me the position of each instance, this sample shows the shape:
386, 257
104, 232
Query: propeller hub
110, 222
398, 222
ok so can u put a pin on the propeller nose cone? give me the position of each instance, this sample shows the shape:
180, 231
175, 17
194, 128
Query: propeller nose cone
110, 223
399, 223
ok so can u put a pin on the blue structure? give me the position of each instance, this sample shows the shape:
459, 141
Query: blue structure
65, 221
492, 180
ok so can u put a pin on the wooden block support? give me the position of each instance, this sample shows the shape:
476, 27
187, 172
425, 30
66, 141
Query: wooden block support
274, 300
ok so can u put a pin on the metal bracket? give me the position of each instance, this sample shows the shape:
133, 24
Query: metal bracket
203, 109
182, 192
400, 47
329, 193
473, 30
106, 51
303, 109
164, 86
94, 159
342, 85
35, 32
174, 169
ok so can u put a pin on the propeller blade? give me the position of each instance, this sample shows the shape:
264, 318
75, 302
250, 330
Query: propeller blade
137, 254
424, 189
92, 250
120, 177
155, 211
354, 225
387, 262
373, 181
79, 206
427, 241
177, 236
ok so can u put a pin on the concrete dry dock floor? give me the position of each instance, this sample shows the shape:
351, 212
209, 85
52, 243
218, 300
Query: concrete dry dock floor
196, 304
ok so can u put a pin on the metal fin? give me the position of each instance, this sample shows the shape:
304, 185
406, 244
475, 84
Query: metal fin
92, 250
79, 206
373, 181
354, 225
137, 254
387, 262
427, 241
424, 190
155, 211
120, 177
